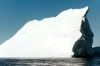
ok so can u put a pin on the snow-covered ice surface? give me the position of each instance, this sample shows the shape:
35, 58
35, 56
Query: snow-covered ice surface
49, 37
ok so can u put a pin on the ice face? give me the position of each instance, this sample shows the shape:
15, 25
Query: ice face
49, 37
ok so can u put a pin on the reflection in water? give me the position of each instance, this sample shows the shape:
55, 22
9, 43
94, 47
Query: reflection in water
51, 62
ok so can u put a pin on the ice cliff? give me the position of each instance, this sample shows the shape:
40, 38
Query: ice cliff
66, 34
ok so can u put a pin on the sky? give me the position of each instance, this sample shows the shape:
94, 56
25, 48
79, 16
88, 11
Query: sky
15, 13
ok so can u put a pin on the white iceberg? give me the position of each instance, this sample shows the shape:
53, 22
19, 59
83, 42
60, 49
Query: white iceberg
49, 37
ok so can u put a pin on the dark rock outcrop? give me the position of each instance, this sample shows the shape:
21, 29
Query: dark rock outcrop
84, 44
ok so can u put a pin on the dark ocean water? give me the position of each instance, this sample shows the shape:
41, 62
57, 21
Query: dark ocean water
50, 62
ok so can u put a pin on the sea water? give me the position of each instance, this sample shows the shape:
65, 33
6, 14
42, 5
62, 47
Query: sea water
50, 62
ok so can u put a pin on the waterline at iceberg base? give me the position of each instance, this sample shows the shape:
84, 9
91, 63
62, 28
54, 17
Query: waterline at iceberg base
44, 62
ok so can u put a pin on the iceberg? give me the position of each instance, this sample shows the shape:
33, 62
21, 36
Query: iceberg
50, 37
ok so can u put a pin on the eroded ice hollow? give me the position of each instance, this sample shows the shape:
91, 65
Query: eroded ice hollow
49, 37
